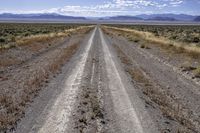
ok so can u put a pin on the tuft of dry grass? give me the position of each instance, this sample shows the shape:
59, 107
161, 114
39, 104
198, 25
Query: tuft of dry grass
144, 46
35, 38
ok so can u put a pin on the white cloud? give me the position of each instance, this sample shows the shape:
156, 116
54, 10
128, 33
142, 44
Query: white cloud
174, 2
131, 3
134, 4
109, 8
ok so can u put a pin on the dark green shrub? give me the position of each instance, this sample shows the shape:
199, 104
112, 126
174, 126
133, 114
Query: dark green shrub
196, 40
2, 40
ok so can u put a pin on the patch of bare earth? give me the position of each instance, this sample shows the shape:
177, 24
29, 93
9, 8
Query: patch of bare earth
26, 68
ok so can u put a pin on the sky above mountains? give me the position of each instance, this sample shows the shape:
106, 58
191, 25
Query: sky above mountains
99, 8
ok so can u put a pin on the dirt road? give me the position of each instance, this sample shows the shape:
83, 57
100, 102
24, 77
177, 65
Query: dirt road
94, 93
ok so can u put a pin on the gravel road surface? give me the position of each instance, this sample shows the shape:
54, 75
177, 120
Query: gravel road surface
94, 93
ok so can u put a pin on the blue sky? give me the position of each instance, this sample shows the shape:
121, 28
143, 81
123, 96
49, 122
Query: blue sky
97, 8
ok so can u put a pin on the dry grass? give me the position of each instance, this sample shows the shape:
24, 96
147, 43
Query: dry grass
144, 46
8, 62
167, 102
36, 38
49, 37
191, 49
19, 41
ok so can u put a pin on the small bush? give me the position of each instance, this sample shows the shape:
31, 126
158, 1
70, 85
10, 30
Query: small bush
197, 72
12, 39
143, 46
196, 40
2, 40
136, 40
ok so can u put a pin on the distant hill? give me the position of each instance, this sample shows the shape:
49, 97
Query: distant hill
153, 17
143, 17
38, 16
180, 17
162, 19
122, 18
197, 19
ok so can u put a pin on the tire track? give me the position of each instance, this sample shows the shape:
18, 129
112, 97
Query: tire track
176, 95
129, 119
58, 116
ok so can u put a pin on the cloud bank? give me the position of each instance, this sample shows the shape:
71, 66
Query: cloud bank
109, 8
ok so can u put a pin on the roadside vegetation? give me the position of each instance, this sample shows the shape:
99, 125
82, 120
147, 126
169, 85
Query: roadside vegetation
180, 33
186, 43
186, 40
14, 34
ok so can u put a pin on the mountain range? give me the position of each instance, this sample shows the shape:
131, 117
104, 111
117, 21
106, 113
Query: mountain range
157, 17
197, 19
121, 18
51, 16
142, 17
180, 17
